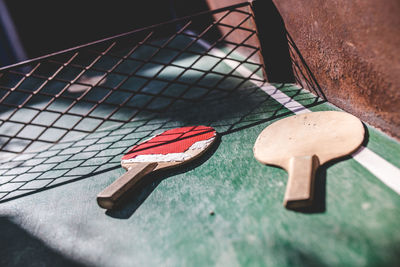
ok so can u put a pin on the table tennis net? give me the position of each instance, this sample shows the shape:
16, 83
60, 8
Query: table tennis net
79, 91
72, 114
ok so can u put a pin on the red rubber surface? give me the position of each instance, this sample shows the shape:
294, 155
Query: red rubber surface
176, 140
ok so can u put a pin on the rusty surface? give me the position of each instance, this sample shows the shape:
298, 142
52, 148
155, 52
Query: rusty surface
234, 19
352, 49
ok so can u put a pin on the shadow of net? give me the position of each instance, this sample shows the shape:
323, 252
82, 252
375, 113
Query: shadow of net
71, 115
301, 71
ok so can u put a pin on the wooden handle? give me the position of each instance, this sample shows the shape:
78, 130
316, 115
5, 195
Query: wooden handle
110, 196
300, 186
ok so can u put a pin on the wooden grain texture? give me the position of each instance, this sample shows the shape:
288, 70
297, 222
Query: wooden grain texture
327, 134
300, 143
111, 195
300, 186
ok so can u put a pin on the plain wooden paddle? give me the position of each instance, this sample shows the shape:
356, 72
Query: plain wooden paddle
169, 149
301, 143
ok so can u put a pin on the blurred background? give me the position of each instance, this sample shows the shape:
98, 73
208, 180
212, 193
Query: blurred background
34, 28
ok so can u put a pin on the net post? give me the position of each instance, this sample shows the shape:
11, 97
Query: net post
274, 48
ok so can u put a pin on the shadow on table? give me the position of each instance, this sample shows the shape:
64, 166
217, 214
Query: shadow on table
19, 248
100, 152
96, 102
319, 204
136, 197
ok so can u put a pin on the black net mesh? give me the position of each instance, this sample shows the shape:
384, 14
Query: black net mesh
70, 115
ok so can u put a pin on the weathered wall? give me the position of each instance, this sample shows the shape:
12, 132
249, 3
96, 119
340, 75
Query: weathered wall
234, 19
353, 49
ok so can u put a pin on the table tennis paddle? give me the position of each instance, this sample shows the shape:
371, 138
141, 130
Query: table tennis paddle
301, 143
166, 150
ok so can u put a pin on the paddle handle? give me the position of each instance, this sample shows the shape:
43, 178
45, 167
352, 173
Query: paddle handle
300, 186
110, 196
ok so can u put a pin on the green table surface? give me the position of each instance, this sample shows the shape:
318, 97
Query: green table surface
225, 209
